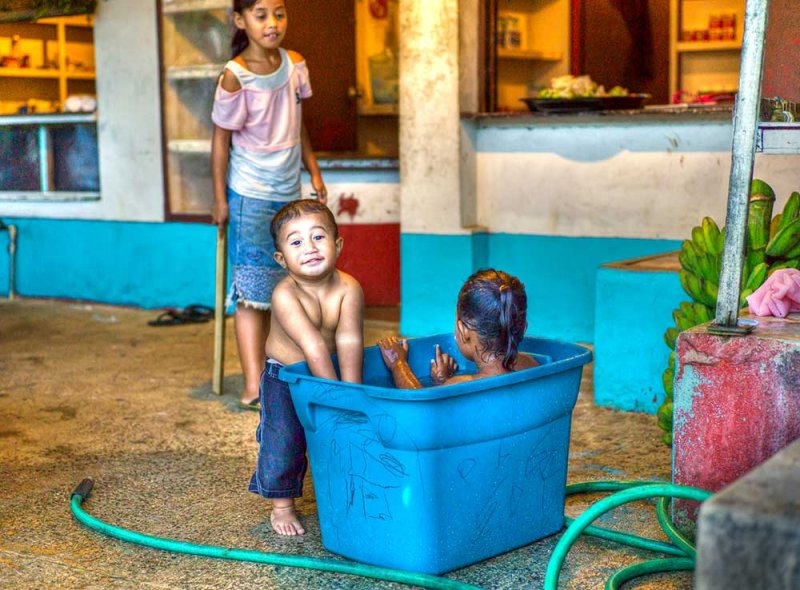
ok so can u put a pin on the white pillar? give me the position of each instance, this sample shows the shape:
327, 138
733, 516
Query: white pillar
430, 127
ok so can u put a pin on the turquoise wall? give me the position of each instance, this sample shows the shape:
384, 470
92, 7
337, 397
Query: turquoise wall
559, 275
149, 265
633, 310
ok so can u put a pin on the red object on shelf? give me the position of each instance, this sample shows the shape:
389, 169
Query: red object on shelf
681, 96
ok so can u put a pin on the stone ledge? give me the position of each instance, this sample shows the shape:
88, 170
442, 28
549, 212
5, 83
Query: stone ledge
749, 533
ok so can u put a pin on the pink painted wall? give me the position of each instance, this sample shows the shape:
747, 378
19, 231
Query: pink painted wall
782, 57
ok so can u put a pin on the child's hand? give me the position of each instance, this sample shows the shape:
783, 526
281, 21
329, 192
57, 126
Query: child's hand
443, 366
320, 190
219, 214
394, 350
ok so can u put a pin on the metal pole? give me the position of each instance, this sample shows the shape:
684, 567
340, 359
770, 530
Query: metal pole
745, 126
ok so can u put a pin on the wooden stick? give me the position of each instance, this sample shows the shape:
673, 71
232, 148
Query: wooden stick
219, 312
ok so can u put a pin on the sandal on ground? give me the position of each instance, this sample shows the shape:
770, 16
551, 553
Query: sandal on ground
253, 404
170, 317
198, 313
192, 314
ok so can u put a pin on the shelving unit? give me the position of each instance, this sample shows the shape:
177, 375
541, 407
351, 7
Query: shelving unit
195, 44
537, 51
704, 66
60, 53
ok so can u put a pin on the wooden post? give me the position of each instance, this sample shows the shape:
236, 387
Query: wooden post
219, 312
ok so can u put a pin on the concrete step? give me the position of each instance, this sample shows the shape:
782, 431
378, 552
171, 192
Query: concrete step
749, 533
634, 303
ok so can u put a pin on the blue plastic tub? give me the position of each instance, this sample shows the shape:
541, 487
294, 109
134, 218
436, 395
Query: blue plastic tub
435, 479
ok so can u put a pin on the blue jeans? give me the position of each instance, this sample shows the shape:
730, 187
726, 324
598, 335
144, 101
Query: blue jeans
254, 270
282, 461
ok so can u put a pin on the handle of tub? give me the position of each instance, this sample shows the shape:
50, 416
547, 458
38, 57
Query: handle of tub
332, 394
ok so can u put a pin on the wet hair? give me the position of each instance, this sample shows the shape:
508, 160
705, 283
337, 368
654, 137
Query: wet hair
299, 208
240, 42
493, 303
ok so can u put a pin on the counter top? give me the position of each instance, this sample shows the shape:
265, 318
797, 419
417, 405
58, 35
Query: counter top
665, 114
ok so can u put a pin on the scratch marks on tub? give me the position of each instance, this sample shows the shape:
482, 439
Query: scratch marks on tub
485, 515
465, 467
392, 465
362, 472
501, 456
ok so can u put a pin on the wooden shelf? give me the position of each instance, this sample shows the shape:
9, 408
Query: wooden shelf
205, 71
179, 6
689, 46
29, 73
189, 146
529, 54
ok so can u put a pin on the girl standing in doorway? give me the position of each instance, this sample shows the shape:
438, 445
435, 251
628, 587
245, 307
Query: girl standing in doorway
258, 146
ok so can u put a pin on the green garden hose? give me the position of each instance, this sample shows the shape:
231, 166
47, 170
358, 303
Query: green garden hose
682, 551
630, 491
329, 565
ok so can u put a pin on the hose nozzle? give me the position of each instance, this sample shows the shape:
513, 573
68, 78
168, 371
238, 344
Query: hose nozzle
84, 489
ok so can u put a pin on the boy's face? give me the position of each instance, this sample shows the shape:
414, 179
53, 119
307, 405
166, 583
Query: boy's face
306, 247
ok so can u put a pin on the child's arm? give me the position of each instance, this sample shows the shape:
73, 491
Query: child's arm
350, 335
220, 144
287, 310
220, 148
394, 351
311, 164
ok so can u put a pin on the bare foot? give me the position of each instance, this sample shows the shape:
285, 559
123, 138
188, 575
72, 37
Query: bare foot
284, 520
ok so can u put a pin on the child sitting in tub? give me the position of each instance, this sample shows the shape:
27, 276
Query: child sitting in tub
316, 310
490, 324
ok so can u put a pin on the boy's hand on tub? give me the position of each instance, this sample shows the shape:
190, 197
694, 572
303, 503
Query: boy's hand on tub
443, 366
394, 350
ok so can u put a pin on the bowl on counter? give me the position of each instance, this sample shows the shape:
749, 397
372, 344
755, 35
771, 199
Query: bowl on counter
586, 103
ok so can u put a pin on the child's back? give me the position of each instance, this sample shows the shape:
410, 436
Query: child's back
490, 325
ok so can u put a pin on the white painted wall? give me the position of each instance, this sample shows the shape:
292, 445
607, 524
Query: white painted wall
129, 121
611, 179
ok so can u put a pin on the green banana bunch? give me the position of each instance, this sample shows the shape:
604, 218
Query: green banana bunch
793, 253
688, 257
668, 378
670, 336
759, 215
785, 240
712, 236
664, 420
701, 254
774, 225
698, 288
790, 210
794, 263
756, 277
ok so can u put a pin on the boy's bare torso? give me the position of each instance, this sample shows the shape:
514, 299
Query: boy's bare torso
321, 307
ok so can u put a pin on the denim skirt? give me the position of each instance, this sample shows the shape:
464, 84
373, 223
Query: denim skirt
251, 251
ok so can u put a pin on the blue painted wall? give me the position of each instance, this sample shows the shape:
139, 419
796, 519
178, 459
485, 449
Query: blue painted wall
633, 310
149, 265
559, 275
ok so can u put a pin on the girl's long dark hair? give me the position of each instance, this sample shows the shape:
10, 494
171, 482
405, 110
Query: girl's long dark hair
493, 303
240, 42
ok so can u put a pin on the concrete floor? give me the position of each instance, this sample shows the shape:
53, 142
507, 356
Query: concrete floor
92, 390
